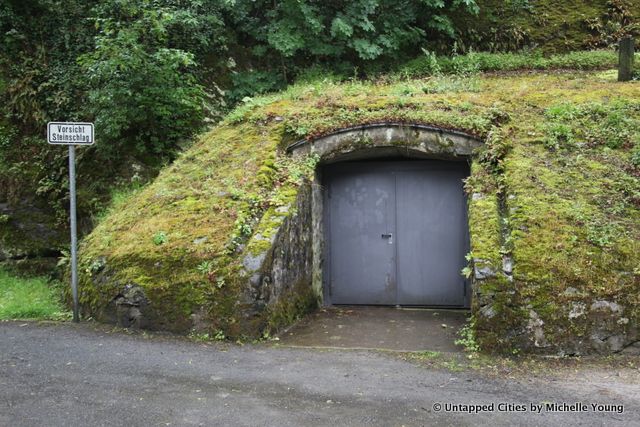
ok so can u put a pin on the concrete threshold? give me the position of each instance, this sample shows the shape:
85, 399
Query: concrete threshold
401, 329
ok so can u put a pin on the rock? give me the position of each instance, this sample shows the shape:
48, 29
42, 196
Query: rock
282, 209
130, 304
632, 349
616, 343
253, 263
487, 311
605, 343
606, 306
287, 264
507, 264
200, 240
578, 309
28, 228
200, 321
482, 273
534, 326
610, 332
255, 280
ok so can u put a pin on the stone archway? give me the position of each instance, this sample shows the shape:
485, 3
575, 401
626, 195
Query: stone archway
393, 138
372, 141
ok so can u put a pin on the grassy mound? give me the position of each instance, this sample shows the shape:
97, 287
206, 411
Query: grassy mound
555, 191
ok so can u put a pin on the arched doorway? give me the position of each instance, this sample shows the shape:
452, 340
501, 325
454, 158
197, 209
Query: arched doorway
410, 251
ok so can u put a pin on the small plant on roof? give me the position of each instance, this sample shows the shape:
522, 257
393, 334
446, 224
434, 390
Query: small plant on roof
160, 238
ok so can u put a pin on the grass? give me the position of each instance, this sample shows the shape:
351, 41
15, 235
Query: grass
429, 64
119, 197
526, 366
29, 298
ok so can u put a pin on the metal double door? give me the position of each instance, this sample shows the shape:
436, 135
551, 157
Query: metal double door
397, 233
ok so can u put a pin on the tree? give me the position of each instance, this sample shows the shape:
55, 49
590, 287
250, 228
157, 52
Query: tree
145, 86
355, 31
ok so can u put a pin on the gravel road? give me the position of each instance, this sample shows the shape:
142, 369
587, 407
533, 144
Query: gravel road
88, 375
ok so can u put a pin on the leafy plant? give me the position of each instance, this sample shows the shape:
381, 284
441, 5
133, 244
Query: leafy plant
200, 337
97, 265
612, 125
205, 267
160, 238
635, 155
603, 234
432, 65
559, 135
467, 271
467, 338
297, 170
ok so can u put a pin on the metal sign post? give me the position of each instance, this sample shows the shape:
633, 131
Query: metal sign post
74, 231
72, 134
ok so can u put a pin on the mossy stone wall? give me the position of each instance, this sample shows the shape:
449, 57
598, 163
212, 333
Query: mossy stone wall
279, 276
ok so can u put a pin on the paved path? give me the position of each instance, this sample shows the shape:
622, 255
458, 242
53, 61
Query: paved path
388, 328
82, 375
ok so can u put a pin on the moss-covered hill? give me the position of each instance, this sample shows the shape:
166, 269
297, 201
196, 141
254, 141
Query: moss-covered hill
554, 206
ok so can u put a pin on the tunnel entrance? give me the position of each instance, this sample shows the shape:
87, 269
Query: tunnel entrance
396, 233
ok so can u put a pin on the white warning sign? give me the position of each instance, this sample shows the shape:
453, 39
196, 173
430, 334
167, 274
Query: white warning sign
70, 133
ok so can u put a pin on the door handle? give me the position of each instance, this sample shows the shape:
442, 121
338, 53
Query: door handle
387, 235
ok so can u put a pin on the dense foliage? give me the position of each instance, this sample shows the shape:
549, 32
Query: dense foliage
142, 86
352, 31
139, 68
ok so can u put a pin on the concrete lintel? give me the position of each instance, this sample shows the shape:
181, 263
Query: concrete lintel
427, 140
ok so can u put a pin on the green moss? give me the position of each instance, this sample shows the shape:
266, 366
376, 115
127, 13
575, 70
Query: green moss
484, 229
297, 302
269, 225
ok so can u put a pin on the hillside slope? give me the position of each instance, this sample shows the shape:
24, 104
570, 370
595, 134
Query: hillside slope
552, 26
554, 209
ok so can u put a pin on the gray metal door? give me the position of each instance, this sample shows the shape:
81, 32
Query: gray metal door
362, 222
432, 235
397, 233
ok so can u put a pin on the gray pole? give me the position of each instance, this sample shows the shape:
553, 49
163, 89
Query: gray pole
625, 62
74, 232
